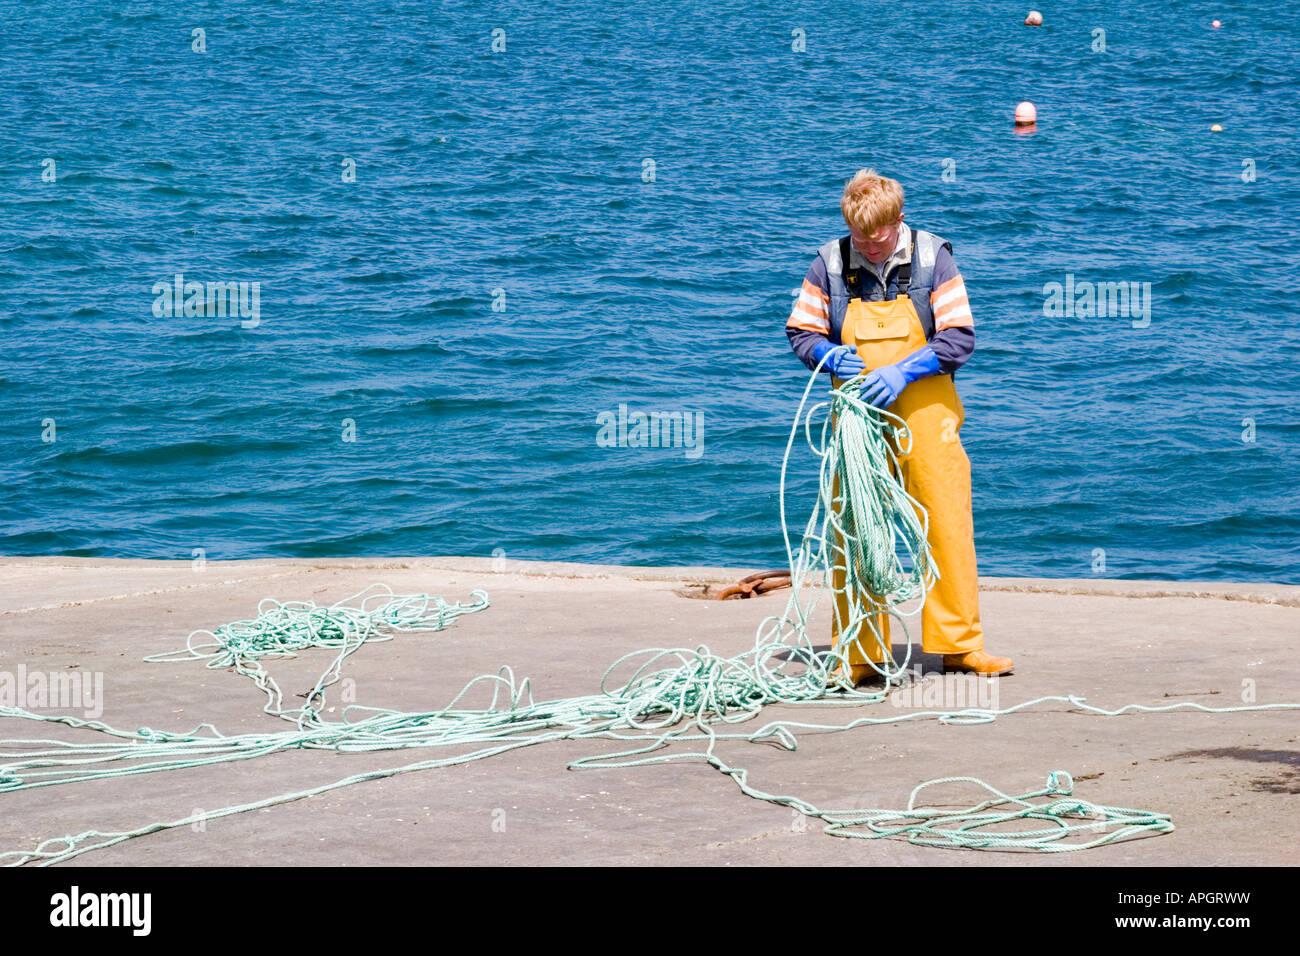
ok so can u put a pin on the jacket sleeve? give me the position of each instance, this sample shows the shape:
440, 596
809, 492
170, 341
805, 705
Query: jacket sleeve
954, 327
809, 323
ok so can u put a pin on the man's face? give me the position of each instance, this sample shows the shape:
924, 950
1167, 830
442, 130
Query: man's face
878, 245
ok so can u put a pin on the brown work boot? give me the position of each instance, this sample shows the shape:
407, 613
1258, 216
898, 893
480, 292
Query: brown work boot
978, 662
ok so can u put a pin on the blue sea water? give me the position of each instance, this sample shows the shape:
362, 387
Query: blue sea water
506, 266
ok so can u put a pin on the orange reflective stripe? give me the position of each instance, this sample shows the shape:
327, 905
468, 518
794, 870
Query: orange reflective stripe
950, 305
823, 329
812, 310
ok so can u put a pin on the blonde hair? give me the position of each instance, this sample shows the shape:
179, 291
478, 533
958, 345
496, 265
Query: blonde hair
871, 201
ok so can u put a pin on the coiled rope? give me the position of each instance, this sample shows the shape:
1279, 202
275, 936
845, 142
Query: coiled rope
672, 696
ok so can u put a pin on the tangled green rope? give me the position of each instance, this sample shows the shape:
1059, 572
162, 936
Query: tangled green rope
959, 828
665, 696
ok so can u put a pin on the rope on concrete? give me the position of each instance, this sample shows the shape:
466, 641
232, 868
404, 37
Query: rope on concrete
664, 696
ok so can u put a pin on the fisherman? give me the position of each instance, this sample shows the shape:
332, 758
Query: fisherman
887, 302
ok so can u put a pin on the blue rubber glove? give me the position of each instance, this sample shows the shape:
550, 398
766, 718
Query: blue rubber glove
883, 386
845, 363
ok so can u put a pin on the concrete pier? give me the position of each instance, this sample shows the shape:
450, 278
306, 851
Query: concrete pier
1228, 780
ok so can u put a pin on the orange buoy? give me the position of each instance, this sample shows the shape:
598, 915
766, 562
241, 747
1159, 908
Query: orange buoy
1035, 19
1216, 128
1026, 114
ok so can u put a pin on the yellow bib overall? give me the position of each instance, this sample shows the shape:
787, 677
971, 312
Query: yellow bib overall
936, 472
